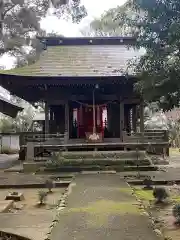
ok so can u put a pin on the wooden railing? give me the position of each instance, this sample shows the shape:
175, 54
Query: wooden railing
146, 137
41, 137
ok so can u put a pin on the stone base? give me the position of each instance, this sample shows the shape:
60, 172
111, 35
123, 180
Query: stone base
15, 197
32, 166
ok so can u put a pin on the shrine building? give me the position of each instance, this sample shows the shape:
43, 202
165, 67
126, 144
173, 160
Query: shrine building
86, 86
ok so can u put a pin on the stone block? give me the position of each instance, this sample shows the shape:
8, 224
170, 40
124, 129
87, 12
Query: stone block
32, 166
30, 151
15, 196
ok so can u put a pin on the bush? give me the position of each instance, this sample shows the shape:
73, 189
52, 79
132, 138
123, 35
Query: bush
176, 212
49, 185
160, 194
42, 197
148, 183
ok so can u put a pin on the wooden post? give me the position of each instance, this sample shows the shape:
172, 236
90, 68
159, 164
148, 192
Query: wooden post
134, 118
46, 118
66, 138
109, 117
121, 119
142, 117
30, 152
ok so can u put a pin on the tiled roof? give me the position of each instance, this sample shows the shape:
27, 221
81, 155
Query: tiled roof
85, 60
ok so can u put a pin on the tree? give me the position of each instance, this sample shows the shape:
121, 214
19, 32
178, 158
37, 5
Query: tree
19, 25
108, 24
156, 26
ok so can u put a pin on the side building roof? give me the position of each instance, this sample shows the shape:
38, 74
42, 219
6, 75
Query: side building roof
80, 57
8, 108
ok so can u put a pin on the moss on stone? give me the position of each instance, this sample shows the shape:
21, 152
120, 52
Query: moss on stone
98, 212
108, 207
126, 190
146, 195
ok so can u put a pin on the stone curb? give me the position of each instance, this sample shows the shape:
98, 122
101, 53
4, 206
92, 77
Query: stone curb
9, 235
157, 231
154, 182
7, 206
34, 185
60, 206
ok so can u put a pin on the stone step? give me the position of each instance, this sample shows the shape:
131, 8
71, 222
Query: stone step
42, 166
104, 154
102, 161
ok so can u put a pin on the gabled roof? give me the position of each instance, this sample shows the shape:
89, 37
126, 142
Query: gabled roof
74, 57
8, 108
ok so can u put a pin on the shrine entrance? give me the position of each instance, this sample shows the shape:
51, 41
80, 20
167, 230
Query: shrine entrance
84, 118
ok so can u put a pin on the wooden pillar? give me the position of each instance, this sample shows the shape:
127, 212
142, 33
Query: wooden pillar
30, 152
51, 113
142, 117
121, 120
66, 124
109, 117
134, 118
46, 118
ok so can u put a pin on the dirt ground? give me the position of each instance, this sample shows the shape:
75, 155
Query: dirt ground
31, 199
162, 213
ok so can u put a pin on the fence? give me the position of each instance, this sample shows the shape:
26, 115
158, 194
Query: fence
41, 138
9, 143
147, 136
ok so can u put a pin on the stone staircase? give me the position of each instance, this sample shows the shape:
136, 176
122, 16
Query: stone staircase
77, 161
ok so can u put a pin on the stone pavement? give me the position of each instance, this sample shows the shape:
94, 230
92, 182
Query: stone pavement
9, 179
20, 179
7, 161
32, 225
102, 207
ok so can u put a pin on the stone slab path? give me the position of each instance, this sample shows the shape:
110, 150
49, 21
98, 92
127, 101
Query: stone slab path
31, 225
7, 179
7, 161
102, 207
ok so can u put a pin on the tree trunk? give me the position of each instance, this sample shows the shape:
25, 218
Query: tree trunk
1, 17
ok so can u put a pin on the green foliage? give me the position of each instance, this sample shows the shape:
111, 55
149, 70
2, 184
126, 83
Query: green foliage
160, 194
176, 212
20, 23
42, 197
156, 26
148, 183
56, 160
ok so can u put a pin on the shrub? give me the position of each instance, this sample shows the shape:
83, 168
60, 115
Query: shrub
148, 183
42, 197
160, 194
56, 160
49, 185
176, 212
